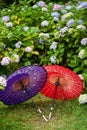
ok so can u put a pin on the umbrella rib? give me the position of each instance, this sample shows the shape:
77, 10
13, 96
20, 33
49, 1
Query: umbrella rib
48, 88
5, 97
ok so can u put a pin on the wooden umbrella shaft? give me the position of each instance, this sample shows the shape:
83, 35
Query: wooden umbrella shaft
39, 110
52, 106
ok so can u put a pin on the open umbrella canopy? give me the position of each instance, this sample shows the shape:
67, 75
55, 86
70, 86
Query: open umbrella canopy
23, 84
61, 83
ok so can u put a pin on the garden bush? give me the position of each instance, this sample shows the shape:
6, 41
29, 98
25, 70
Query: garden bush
43, 34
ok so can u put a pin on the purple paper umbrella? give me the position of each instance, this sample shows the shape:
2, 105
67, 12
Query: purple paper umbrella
23, 84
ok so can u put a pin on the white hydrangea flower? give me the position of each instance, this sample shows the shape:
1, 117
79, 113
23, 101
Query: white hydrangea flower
9, 24
34, 6
63, 31
5, 61
44, 9
68, 7
81, 27
83, 98
22, 9
26, 6
16, 58
44, 23
18, 44
54, 46
81, 77
84, 41
3, 81
67, 15
81, 54
28, 49
63, 11
53, 59
46, 35
25, 28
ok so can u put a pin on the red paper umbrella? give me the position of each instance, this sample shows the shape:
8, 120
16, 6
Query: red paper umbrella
61, 83
67, 84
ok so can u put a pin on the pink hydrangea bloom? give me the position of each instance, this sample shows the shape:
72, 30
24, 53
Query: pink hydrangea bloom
57, 7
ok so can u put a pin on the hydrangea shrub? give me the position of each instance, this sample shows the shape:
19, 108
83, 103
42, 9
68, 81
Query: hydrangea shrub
44, 34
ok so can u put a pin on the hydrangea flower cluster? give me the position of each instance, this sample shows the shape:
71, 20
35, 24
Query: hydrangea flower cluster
83, 98
3, 81
44, 23
82, 27
54, 46
63, 31
28, 49
18, 44
84, 41
5, 61
5, 18
81, 54
70, 23
53, 59
57, 7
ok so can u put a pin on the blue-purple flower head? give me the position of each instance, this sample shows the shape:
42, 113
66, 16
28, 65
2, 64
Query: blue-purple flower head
70, 22
80, 2
41, 3
5, 18
84, 41
55, 14
80, 21
82, 5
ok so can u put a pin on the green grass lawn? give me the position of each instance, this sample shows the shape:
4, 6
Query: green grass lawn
67, 115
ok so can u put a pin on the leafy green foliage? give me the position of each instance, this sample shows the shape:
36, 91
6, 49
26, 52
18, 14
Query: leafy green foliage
25, 40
